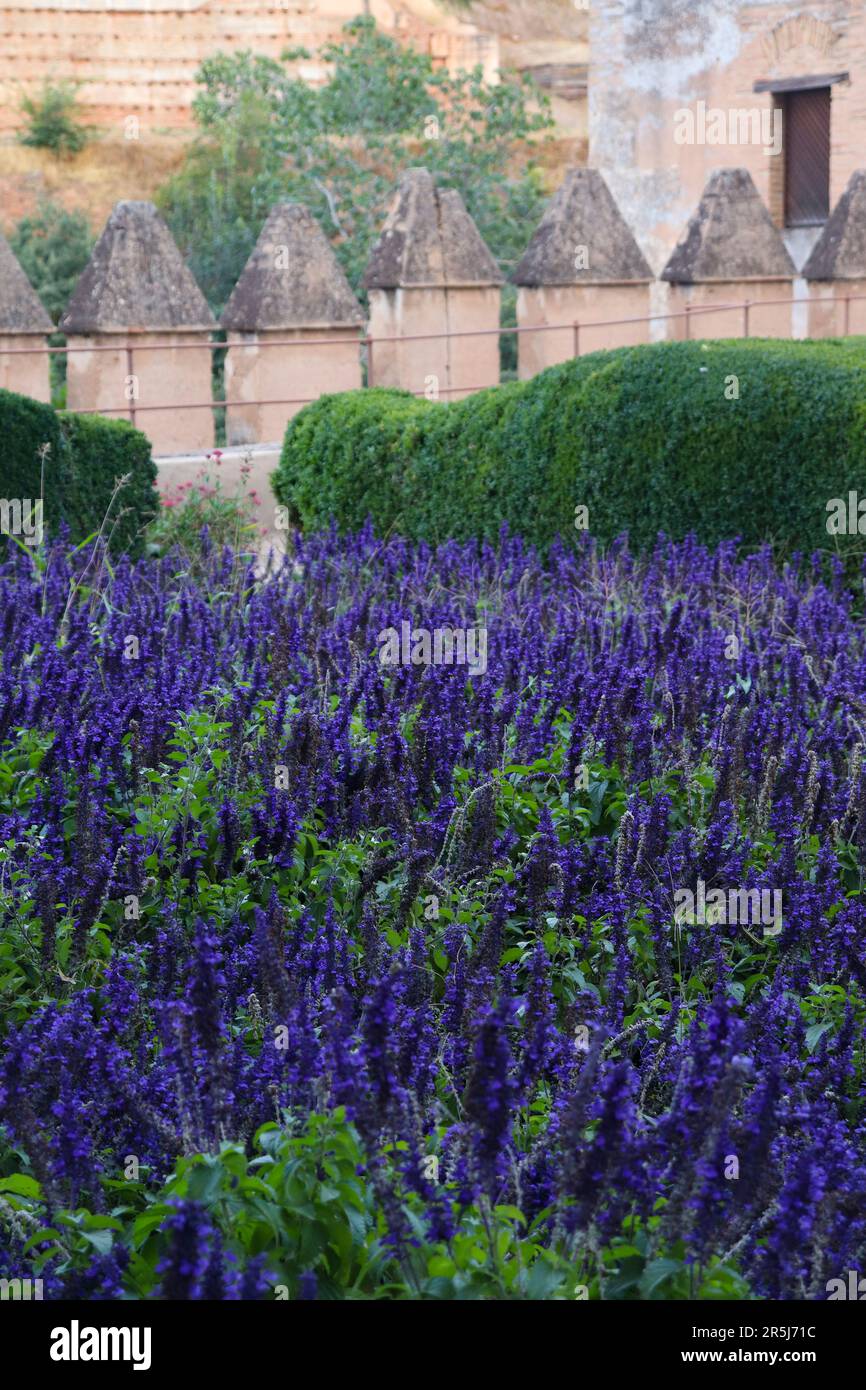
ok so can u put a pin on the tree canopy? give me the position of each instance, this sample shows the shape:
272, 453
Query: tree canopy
265, 134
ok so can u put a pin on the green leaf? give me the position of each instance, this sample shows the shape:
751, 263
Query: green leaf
544, 1277
816, 1033
657, 1273
21, 1185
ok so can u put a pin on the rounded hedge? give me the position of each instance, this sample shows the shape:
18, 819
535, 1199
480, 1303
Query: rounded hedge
75, 475
34, 448
721, 439
104, 451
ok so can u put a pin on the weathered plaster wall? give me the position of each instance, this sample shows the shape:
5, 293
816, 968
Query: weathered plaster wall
324, 360
24, 372
649, 58
602, 312
168, 372
438, 366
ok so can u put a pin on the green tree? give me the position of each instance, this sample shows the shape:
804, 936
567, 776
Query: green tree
53, 247
52, 121
266, 135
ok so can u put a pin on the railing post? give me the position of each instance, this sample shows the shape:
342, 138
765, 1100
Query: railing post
688, 311
847, 318
576, 338
747, 303
369, 362
130, 377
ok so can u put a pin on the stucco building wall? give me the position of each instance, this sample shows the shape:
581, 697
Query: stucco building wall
24, 371
716, 311
651, 58
167, 370
325, 360
439, 365
829, 315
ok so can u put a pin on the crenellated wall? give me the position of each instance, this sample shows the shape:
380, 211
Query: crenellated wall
140, 334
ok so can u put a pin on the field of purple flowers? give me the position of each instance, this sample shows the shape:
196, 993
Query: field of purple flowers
326, 978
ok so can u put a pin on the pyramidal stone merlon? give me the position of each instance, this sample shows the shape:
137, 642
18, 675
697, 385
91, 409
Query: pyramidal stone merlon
21, 309
429, 241
292, 279
136, 280
582, 214
730, 236
840, 251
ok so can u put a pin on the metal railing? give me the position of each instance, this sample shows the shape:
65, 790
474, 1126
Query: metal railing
132, 408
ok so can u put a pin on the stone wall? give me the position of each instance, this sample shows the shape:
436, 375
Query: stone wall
140, 334
652, 58
139, 57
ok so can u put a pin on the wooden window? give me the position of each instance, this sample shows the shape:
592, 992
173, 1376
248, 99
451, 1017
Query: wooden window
805, 105
806, 145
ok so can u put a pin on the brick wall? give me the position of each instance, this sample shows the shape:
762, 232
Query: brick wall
140, 56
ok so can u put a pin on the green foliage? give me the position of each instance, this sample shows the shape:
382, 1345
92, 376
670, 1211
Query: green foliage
53, 247
339, 149
649, 439
360, 441
73, 462
304, 1204
36, 460
104, 452
660, 447
218, 201
52, 121
306, 1195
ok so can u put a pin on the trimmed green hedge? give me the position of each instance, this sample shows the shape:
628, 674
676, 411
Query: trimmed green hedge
360, 440
650, 439
104, 450
85, 454
26, 426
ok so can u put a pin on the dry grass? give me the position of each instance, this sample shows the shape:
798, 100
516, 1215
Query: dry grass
108, 169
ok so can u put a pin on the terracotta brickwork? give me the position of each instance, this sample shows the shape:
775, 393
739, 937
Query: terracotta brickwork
139, 57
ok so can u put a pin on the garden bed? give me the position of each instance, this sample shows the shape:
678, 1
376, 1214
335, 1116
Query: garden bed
323, 975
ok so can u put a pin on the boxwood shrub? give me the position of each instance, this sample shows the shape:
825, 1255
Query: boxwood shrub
104, 450
721, 439
75, 474
26, 427
344, 456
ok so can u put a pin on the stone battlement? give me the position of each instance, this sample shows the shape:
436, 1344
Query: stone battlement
140, 334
